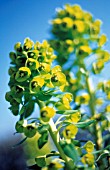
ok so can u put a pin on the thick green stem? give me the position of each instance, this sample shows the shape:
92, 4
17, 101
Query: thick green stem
96, 126
55, 137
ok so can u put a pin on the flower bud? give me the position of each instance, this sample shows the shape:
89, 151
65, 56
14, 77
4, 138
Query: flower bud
20, 60
12, 56
89, 147
27, 44
20, 126
18, 47
17, 91
30, 130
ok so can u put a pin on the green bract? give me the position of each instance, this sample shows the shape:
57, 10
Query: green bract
32, 64
30, 130
20, 126
36, 84
22, 74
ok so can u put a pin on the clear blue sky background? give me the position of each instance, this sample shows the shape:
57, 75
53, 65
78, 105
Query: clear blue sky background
29, 18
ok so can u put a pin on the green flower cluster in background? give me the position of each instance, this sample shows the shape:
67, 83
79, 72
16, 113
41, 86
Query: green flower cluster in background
79, 45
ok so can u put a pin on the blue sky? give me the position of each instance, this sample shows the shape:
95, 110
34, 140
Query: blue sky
30, 18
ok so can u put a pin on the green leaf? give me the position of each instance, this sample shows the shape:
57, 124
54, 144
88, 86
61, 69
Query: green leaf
14, 110
66, 112
27, 97
84, 124
43, 140
107, 147
27, 109
43, 96
22, 110
102, 156
41, 161
18, 100
43, 128
70, 150
50, 91
76, 142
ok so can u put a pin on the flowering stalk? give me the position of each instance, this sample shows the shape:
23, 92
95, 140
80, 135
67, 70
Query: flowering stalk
79, 46
34, 81
96, 127
55, 138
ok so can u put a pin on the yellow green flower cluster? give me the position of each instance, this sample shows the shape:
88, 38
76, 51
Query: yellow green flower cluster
29, 130
71, 130
64, 102
70, 26
31, 71
83, 99
72, 19
46, 113
88, 158
105, 87
102, 57
77, 32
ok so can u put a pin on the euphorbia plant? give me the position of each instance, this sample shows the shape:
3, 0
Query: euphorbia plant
79, 45
35, 82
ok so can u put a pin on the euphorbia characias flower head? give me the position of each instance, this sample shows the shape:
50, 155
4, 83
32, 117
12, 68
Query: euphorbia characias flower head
58, 78
83, 99
75, 117
46, 113
22, 74
70, 131
28, 44
32, 64
88, 159
89, 147
36, 84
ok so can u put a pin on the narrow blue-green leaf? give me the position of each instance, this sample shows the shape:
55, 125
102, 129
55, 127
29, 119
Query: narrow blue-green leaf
84, 124
107, 147
22, 110
70, 151
66, 112
43, 97
19, 143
